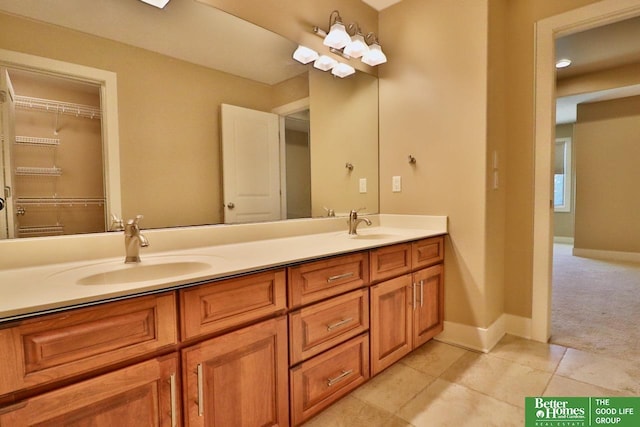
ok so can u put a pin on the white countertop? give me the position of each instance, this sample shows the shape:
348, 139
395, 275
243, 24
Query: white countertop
37, 289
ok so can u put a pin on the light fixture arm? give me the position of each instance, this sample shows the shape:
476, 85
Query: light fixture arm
334, 17
372, 35
354, 28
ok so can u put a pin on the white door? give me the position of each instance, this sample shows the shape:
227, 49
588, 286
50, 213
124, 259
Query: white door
250, 165
8, 136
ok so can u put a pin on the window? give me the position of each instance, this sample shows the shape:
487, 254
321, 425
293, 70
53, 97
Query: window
562, 176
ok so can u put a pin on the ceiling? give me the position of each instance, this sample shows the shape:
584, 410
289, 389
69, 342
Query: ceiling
381, 4
594, 50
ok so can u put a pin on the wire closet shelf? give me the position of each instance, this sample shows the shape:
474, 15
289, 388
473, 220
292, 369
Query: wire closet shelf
52, 106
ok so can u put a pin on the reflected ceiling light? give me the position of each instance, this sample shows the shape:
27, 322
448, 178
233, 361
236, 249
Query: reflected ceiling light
338, 36
563, 63
357, 46
305, 55
157, 3
325, 63
342, 70
374, 56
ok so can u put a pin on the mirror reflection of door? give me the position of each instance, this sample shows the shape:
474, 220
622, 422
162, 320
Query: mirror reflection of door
297, 164
53, 156
7, 133
250, 165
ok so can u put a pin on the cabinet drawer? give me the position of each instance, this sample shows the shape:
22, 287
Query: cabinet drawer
318, 280
318, 382
427, 252
49, 348
231, 303
321, 326
390, 261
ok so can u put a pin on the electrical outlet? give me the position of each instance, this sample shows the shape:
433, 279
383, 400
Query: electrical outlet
363, 185
396, 184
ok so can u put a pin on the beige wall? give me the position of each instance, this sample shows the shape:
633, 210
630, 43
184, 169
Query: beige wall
563, 222
608, 155
433, 105
626, 75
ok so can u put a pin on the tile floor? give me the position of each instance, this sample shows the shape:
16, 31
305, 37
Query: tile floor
442, 385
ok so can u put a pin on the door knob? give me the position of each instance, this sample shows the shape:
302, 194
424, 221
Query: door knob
1, 203
231, 205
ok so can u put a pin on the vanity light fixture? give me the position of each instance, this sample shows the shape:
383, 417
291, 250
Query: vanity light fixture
563, 63
342, 43
157, 3
342, 70
304, 54
325, 63
338, 36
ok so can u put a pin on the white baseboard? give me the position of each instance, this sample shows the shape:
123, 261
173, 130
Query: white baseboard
608, 255
563, 239
484, 339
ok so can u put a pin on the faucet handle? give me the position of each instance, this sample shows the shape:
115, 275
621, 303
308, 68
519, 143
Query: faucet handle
116, 223
136, 220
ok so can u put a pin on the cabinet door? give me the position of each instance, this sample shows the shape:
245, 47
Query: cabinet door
140, 395
238, 379
428, 317
392, 305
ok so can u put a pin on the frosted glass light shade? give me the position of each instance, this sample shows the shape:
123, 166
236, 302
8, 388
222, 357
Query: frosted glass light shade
356, 47
337, 37
325, 63
342, 70
374, 56
157, 3
305, 55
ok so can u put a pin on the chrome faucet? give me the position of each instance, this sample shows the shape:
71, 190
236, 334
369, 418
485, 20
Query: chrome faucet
354, 221
134, 240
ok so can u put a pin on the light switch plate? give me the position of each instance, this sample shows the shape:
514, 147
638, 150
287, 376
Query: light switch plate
363, 185
396, 184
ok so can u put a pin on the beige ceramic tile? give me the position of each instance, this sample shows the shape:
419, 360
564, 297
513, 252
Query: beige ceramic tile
433, 358
352, 412
602, 371
394, 387
561, 386
445, 404
537, 355
499, 378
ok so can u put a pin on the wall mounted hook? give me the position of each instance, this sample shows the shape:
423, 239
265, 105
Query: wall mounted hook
412, 160
349, 166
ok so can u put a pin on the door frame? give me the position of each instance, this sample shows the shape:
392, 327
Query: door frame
108, 83
546, 31
283, 111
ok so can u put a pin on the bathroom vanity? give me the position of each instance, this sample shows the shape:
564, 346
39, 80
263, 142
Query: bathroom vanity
272, 344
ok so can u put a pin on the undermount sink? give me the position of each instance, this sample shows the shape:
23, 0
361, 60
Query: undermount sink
371, 236
150, 268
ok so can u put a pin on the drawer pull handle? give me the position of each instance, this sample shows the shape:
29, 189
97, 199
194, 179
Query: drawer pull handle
339, 276
343, 375
200, 391
340, 323
174, 414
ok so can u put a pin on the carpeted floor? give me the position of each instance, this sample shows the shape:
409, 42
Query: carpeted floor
595, 305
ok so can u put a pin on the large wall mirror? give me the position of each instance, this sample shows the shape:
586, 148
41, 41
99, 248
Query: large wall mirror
175, 70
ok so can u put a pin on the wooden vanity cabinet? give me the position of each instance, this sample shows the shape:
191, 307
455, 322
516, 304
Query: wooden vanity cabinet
408, 310
239, 379
142, 395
